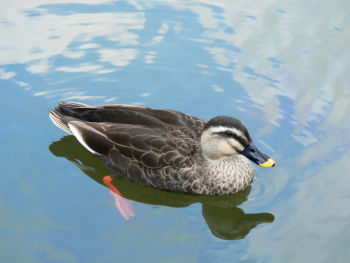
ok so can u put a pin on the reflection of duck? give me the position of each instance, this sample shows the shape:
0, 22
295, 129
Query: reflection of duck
165, 148
223, 217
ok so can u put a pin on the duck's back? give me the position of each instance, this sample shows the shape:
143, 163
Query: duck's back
129, 114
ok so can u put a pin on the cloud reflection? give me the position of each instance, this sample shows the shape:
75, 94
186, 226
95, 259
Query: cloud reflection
54, 34
81, 68
6, 74
118, 57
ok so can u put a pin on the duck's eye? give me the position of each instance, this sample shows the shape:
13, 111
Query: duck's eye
229, 134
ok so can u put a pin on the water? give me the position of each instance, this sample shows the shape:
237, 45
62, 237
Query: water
281, 67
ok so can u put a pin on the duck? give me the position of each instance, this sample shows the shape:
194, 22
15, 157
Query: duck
163, 148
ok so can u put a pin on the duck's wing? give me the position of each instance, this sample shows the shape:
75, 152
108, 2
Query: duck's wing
145, 155
127, 114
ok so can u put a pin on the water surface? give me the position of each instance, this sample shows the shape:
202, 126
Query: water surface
280, 67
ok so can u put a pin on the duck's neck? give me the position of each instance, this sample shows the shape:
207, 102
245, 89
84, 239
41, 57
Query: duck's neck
230, 175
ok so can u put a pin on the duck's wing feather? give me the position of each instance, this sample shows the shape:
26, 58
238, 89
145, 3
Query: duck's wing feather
130, 114
145, 155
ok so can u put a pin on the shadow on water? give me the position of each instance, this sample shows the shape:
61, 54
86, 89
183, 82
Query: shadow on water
221, 213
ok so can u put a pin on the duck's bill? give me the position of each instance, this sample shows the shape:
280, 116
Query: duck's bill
253, 154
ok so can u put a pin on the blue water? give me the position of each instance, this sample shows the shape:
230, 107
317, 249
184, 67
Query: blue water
280, 67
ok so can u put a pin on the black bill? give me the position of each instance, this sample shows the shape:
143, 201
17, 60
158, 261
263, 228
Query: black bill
252, 153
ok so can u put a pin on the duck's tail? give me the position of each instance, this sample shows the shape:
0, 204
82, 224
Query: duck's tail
62, 114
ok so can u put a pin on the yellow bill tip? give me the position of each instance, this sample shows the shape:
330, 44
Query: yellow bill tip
269, 163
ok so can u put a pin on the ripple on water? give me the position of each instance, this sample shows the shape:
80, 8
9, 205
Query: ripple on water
263, 193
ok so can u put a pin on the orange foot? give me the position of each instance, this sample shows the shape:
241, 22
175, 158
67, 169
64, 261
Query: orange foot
124, 205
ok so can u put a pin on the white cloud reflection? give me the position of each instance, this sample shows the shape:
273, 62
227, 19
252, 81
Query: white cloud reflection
118, 57
164, 28
216, 88
89, 45
22, 84
150, 57
40, 66
81, 68
34, 39
6, 74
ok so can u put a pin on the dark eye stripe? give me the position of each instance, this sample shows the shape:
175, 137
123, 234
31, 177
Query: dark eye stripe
241, 140
236, 149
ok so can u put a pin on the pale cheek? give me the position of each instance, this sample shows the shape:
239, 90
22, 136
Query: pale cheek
225, 148
211, 149
237, 145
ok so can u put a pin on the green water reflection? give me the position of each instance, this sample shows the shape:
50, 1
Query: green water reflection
221, 213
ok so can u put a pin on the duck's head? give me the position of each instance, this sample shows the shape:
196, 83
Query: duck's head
224, 136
